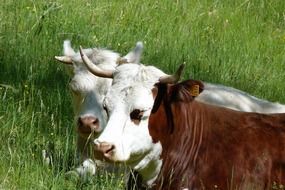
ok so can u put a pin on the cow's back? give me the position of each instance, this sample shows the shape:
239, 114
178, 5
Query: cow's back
217, 148
241, 150
235, 99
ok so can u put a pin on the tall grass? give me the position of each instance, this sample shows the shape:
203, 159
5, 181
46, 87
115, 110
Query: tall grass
237, 43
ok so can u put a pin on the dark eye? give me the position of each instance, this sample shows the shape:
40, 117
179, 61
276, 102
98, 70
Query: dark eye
136, 115
105, 108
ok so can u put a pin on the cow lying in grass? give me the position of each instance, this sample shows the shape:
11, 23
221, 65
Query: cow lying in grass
202, 134
88, 92
208, 147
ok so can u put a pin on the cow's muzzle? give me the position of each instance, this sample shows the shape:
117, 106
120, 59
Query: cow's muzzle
88, 124
104, 150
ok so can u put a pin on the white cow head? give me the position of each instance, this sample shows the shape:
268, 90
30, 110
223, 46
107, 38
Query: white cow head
129, 102
88, 90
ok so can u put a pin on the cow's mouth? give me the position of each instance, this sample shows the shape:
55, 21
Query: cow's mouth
105, 153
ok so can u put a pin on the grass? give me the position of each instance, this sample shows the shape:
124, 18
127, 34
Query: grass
236, 43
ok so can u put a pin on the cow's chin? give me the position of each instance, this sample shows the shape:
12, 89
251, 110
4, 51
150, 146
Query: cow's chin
110, 158
126, 159
134, 160
131, 160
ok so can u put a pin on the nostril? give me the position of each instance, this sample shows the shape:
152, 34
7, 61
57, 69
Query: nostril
109, 152
88, 124
95, 121
105, 148
88, 121
95, 125
111, 148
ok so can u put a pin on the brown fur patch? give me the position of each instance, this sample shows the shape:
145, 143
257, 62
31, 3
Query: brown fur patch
206, 146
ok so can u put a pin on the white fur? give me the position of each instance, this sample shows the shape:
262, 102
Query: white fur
88, 90
232, 98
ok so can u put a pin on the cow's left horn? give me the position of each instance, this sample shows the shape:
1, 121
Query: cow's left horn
64, 59
172, 79
93, 68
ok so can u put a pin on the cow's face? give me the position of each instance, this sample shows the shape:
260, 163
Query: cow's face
87, 89
88, 92
129, 102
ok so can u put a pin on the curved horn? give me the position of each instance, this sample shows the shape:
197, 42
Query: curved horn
173, 78
93, 68
64, 59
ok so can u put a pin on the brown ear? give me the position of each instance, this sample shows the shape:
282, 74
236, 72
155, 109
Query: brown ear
195, 87
186, 90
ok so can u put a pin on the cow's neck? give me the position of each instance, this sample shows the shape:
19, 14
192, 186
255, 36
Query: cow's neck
149, 167
180, 142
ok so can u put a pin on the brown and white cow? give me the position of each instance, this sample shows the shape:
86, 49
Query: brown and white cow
185, 144
88, 92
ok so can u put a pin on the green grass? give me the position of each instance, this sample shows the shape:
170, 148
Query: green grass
237, 43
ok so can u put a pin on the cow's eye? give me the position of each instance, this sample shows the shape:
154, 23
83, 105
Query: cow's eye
106, 109
136, 115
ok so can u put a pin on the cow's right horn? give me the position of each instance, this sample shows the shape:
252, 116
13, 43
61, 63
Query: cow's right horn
93, 68
172, 79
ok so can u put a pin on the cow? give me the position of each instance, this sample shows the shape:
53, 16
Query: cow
210, 147
88, 92
162, 145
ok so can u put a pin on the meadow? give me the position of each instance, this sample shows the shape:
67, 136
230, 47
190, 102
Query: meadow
237, 43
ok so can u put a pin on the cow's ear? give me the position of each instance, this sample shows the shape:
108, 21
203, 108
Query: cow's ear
186, 90
134, 56
195, 87
67, 49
